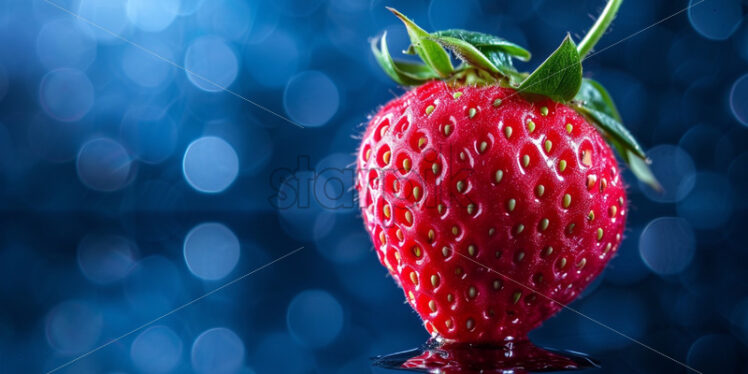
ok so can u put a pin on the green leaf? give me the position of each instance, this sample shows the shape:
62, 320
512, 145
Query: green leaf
415, 70
638, 165
613, 129
486, 42
559, 76
467, 52
624, 143
405, 73
429, 51
593, 95
499, 58
641, 170
498, 51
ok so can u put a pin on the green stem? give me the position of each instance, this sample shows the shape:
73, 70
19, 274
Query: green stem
598, 29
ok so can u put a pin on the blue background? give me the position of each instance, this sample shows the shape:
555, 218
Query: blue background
129, 186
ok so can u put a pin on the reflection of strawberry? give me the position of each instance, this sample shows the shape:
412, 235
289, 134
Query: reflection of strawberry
517, 358
465, 174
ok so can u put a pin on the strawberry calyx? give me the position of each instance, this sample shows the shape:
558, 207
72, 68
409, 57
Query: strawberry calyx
488, 60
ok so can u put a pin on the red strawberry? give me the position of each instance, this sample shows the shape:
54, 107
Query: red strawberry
536, 197
488, 206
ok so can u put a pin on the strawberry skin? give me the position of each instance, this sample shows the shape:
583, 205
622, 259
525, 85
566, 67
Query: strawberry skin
456, 180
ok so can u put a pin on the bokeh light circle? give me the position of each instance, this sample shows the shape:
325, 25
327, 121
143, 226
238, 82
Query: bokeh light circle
153, 16
73, 327
104, 259
218, 351
311, 98
675, 171
709, 204
104, 165
314, 318
739, 99
211, 64
66, 94
211, 251
61, 44
210, 164
715, 19
149, 133
158, 349
667, 245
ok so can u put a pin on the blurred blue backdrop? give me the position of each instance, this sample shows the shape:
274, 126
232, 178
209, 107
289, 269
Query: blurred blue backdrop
130, 186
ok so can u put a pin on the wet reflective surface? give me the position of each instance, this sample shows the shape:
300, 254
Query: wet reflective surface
517, 357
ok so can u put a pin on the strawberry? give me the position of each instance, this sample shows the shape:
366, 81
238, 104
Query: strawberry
492, 196
538, 198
